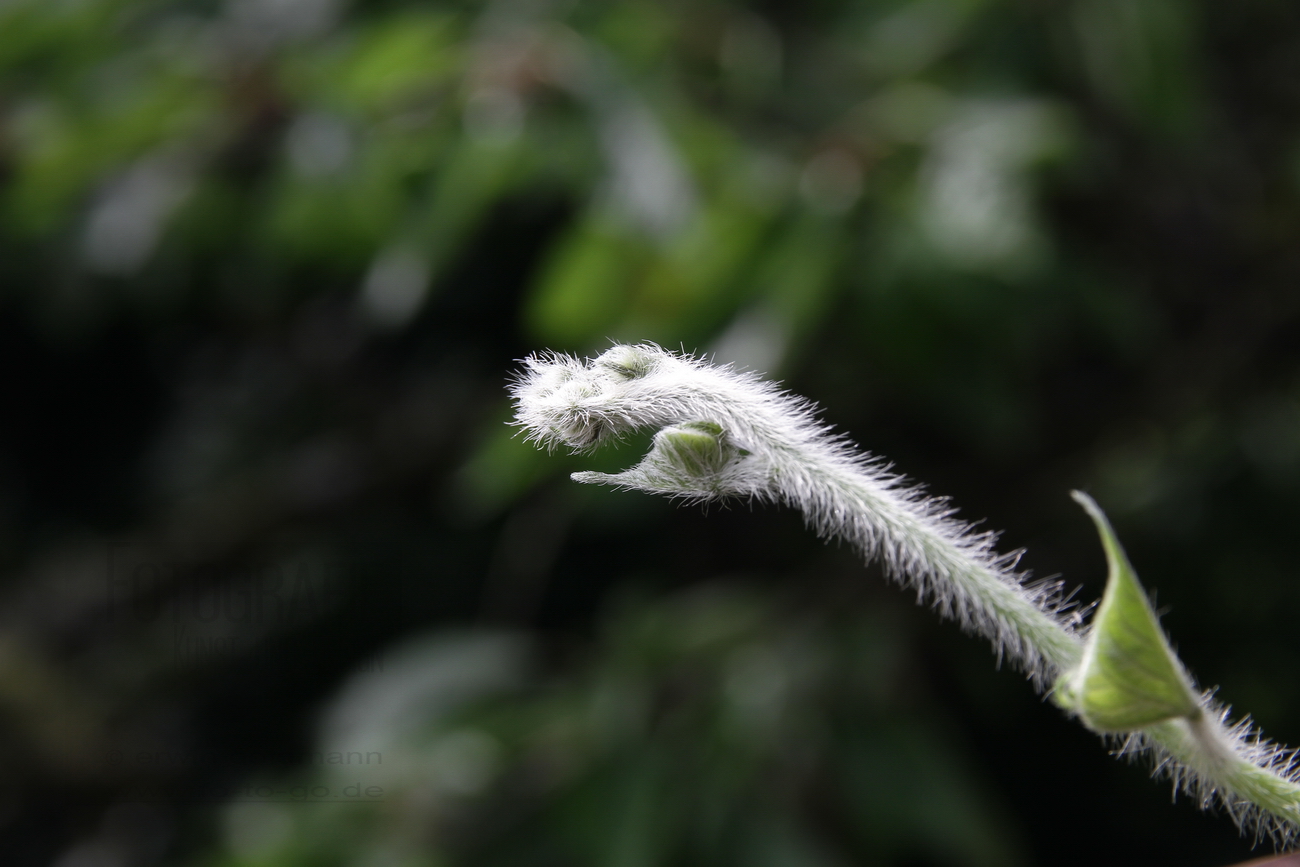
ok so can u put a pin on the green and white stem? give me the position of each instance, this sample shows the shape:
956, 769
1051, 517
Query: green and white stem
726, 434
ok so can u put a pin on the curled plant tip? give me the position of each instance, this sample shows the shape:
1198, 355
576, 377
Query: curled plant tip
721, 433
560, 400
1129, 677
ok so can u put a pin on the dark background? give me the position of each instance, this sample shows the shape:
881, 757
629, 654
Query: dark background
281, 587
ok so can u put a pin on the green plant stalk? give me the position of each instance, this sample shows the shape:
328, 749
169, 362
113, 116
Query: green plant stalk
726, 434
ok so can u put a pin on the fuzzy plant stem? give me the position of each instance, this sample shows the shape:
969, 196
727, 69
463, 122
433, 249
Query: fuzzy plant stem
769, 447
723, 434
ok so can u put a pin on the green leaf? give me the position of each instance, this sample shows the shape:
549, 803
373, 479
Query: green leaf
1129, 677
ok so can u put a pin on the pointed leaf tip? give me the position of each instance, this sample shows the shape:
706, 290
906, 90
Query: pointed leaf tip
1129, 677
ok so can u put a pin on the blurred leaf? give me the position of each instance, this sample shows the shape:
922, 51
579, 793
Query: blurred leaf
396, 62
584, 287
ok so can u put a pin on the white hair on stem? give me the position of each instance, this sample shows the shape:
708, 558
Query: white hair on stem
726, 434
783, 454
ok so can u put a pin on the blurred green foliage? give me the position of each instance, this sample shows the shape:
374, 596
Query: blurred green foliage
264, 269
709, 728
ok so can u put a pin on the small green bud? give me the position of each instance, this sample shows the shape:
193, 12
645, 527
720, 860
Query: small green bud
698, 448
629, 362
694, 459
1129, 677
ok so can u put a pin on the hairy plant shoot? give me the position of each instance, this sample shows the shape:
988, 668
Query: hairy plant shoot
726, 434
